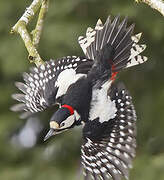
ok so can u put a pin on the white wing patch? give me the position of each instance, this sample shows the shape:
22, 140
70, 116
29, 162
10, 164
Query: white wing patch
65, 79
100, 102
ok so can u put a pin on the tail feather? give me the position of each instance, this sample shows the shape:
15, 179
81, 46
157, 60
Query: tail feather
136, 37
117, 35
112, 31
124, 41
121, 29
123, 51
136, 60
98, 28
90, 38
106, 25
92, 35
137, 49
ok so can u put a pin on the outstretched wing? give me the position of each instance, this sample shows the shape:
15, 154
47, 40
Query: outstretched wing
118, 35
44, 83
109, 145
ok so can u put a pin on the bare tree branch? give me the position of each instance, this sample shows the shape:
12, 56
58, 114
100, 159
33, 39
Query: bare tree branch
20, 28
155, 4
36, 33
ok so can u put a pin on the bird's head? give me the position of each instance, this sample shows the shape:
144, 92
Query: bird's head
63, 119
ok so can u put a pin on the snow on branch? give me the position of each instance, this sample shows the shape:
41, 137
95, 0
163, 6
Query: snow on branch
155, 4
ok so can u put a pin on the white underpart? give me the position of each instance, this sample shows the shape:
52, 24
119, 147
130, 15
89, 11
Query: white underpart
101, 105
65, 79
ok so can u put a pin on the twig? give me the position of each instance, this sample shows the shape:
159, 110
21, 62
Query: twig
20, 27
155, 4
36, 33
33, 53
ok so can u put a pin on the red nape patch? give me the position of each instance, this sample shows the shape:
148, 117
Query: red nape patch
70, 108
113, 74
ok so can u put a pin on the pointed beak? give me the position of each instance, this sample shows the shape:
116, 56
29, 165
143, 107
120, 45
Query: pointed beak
50, 133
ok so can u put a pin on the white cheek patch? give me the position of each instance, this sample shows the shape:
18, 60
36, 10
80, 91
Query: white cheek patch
65, 79
68, 122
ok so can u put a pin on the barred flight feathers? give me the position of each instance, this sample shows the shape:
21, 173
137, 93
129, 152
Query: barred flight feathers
41, 84
109, 147
85, 89
119, 36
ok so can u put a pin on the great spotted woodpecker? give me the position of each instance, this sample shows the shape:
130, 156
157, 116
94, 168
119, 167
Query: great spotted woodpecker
85, 90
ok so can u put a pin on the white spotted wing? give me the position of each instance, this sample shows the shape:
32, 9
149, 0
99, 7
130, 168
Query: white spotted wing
109, 147
43, 83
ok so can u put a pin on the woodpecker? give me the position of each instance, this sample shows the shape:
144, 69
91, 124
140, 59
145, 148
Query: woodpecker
87, 95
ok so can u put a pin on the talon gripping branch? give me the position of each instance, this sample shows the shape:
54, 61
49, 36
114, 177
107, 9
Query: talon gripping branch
85, 89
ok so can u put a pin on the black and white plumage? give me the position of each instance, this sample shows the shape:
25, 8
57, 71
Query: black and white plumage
85, 90
126, 49
43, 83
109, 147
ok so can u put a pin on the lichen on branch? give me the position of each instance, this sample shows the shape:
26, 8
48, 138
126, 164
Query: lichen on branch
36, 33
31, 43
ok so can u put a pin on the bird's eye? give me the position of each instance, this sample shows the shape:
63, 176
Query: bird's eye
62, 124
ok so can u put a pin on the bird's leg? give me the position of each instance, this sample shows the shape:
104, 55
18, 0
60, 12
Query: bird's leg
31, 43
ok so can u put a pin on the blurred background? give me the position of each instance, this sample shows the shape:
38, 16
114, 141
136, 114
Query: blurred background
23, 154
